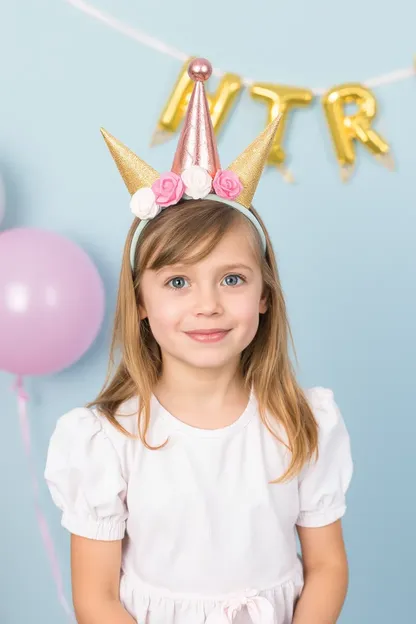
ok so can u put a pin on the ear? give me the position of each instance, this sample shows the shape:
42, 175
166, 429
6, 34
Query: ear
263, 304
142, 312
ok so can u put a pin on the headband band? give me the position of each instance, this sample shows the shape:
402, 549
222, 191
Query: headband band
211, 197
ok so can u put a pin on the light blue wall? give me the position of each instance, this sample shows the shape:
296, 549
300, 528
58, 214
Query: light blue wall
346, 253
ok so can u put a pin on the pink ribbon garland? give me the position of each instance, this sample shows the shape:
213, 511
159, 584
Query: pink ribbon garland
22, 401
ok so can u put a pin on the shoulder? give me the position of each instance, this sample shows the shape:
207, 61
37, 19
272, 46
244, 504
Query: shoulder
319, 398
77, 423
332, 430
83, 427
324, 407
85, 418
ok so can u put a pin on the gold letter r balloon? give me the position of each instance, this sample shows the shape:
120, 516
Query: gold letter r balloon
345, 129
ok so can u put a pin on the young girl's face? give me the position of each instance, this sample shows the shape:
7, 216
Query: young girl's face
205, 314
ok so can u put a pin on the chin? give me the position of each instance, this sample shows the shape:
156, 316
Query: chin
210, 360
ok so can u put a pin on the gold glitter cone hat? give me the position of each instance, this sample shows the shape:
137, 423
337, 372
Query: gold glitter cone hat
136, 173
197, 144
250, 164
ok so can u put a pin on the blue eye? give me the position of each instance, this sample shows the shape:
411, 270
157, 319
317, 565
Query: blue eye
233, 280
177, 283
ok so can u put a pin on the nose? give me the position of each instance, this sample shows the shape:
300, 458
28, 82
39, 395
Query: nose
207, 301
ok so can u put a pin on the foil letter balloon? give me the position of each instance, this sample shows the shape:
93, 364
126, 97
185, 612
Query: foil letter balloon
220, 104
347, 128
280, 99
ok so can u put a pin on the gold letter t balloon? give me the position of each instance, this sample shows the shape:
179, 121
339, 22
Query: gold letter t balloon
280, 99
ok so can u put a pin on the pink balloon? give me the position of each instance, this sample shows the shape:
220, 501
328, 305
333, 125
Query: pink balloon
51, 302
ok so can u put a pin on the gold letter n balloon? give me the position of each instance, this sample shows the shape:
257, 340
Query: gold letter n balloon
220, 104
345, 129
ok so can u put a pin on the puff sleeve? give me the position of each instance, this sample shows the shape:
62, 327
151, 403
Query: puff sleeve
323, 483
84, 476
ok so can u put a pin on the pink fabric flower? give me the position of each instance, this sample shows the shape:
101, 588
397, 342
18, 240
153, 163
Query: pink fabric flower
168, 189
227, 184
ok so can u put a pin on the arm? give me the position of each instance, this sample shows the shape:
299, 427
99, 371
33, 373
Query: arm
326, 575
95, 568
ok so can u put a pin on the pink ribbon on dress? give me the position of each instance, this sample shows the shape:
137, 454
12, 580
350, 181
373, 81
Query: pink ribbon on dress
22, 401
259, 609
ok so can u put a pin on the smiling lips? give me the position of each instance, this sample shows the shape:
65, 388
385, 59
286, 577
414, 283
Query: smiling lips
208, 335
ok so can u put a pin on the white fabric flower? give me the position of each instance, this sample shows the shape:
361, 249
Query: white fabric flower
143, 204
198, 182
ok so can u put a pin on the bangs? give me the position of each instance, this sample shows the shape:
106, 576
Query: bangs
188, 233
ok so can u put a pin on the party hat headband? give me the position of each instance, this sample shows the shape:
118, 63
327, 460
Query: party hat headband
196, 171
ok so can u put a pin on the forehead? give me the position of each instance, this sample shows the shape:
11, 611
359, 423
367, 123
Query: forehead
219, 242
237, 246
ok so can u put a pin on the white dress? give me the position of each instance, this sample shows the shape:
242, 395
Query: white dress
207, 538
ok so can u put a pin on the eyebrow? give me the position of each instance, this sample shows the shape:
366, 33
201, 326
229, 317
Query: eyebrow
234, 267
225, 268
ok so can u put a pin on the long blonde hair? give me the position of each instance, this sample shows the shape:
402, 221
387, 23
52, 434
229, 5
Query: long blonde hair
188, 233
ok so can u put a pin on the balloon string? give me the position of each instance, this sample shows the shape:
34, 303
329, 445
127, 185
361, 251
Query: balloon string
22, 401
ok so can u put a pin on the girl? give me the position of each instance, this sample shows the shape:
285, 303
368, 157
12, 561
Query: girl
185, 482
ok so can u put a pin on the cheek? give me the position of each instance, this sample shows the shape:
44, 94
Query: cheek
246, 310
164, 312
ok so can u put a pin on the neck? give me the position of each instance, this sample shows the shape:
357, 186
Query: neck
185, 387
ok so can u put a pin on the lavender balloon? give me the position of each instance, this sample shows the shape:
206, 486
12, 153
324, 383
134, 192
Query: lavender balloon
51, 302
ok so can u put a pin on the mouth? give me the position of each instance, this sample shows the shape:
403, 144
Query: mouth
208, 335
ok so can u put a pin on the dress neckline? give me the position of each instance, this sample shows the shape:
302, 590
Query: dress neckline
178, 425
